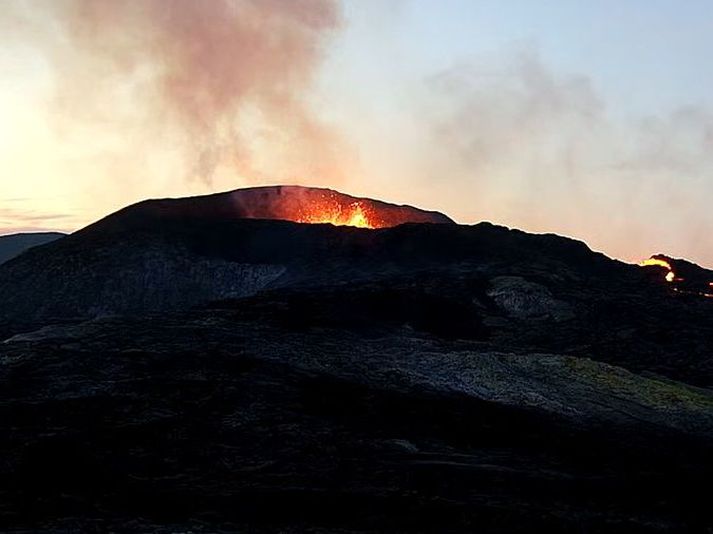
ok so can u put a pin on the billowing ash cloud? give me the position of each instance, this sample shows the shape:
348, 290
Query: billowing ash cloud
220, 81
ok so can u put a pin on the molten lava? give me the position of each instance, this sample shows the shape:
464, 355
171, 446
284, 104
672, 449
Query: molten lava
324, 206
651, 262
691, 284
352, 214
658, 262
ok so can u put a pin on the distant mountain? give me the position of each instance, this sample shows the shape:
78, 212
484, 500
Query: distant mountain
15, 244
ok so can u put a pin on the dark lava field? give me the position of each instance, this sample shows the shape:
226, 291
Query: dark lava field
162, 371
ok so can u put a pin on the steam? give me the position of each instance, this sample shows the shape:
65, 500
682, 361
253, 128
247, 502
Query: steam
222, 84
541, 151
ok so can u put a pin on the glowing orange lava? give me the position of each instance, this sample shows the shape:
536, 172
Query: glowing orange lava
656, 262
672, 278
350, 215
651, 262
358, 218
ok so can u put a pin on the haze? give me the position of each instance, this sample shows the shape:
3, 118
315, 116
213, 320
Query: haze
592, 120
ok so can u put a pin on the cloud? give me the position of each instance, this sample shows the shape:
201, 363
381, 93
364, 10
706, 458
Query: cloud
23, 219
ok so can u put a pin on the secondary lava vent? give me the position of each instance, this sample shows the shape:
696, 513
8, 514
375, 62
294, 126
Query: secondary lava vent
683, 276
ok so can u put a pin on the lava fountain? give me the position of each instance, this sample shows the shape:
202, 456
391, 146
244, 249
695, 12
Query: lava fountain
324, 206
334, 213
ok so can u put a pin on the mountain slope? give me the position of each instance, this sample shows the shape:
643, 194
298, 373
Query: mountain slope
169, 254
173, 264
507, 288
182, 365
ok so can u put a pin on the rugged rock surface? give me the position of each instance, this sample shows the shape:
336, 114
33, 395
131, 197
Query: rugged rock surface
527, 300
208, 421
127, 278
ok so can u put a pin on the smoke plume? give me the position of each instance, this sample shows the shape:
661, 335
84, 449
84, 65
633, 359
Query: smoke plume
222, 84
542, 151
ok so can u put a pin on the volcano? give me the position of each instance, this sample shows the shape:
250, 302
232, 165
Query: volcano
288, 203
286, 359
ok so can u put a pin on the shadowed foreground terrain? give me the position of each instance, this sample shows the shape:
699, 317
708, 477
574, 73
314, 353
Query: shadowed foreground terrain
266, 376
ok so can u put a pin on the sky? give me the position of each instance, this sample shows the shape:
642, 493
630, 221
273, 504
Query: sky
592, 120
